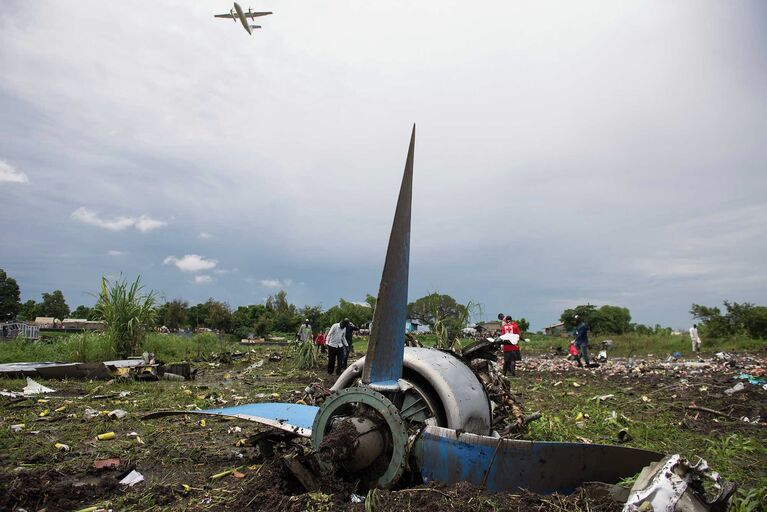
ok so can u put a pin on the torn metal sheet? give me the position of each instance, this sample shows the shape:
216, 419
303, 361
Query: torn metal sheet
446, 456
675, 485
295, 418
95, 371
26, 369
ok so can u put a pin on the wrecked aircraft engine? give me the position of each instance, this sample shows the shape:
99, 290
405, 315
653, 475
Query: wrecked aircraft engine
423, 412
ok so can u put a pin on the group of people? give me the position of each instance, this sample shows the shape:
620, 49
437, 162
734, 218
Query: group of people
338, 342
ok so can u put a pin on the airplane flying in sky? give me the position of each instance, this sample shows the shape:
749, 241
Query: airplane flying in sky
237, 13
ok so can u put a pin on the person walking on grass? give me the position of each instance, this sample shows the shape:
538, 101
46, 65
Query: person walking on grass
695, 338
336, 342
582, 341
304, 332
510, 343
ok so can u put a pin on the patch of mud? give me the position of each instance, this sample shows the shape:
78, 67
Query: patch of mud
52, 490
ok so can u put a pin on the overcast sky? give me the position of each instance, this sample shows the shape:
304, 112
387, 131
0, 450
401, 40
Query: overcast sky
567, 152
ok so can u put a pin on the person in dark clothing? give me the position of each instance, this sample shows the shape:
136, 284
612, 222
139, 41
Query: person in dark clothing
582, 341
348, 335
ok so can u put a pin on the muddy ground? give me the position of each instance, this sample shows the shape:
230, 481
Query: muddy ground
179, 455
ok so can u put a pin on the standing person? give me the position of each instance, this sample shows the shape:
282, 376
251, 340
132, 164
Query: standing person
582, 341
511, 352
319, 340
349, 333
304, 332
336, 341
695, 338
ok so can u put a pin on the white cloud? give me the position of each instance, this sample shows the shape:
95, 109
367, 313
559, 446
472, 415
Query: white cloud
114, 252
145, 224
204, 235
191, 263
276, 283
121, 223
202, 279
9, 174
223, 271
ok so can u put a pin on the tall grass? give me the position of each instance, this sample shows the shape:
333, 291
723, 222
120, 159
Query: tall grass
94, 347
127, 312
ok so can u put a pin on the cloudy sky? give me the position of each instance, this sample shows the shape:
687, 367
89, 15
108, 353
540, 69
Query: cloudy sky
567, 152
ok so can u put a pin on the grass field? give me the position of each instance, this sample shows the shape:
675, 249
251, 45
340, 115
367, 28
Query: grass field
179, 455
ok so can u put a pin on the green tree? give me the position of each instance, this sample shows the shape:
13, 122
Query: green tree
197, 315
29, 311
83, 312
744, 319
611, 320
127, 311
54, 305
284, 315
584, 311
219, 315
313, 314
523, 324
436, 307
10, 297
357, 313
175, 314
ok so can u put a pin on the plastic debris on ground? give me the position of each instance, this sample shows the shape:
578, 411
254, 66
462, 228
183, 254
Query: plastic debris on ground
132, 478
32, 388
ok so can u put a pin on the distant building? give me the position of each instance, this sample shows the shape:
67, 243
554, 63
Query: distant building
47, 322
493, 326
555, 329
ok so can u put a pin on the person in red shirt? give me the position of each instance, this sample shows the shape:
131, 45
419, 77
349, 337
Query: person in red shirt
511, 352
319, 340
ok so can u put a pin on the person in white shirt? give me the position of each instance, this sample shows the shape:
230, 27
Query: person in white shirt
695, 338
337, 346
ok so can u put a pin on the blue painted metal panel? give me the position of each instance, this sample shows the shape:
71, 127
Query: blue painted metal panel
387, 337
508, 465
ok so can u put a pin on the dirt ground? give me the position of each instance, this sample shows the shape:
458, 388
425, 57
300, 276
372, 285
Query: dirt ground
651, 399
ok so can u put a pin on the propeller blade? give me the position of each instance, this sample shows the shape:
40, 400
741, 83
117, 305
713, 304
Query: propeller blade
506, 465
295, 418
383, 364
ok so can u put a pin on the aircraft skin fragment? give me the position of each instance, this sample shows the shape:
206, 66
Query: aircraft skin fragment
508, 465
383, 365
295, 418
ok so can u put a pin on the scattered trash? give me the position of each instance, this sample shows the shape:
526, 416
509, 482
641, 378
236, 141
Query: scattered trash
117, 414
228, 472
737, 387
274, 357
107, 463
34, 388
601, 398
646, 399
106, 436
18, 427
356, 498
602, 356
90, 413
234, 430
132, 478
624, 436
44, 413
237, 474
584, 440
723, 356
62, 447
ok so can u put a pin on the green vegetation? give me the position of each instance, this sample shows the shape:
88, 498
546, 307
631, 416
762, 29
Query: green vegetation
94, 347
9, 297
739, 320
127, 312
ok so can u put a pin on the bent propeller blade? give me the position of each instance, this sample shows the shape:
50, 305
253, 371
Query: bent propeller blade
295, 418
383, 363
447, 456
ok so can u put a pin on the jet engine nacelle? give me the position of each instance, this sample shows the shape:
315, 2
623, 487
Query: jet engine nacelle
440, 390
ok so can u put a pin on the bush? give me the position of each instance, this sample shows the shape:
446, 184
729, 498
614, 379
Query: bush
127, 312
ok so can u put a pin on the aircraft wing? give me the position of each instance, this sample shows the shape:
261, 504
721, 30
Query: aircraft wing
246, 14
